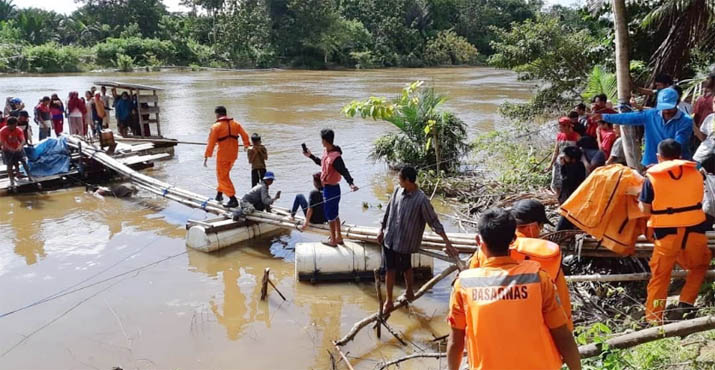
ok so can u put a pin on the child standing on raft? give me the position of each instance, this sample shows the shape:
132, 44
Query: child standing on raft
332, 171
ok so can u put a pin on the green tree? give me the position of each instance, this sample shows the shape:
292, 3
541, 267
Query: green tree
37, 26
246, 34
122, 13
478, 20
449, 48
7, 10
546, 50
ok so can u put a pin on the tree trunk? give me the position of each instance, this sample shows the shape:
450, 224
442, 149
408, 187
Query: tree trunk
631, 146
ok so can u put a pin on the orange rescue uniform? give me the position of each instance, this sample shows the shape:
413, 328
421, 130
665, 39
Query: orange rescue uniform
225, 132
548, 255
507, 304
677, 218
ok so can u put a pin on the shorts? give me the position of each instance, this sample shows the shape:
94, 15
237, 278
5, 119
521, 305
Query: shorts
12, 158
331, 205
397, 261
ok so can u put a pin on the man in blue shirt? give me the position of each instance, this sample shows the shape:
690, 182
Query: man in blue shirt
666, 121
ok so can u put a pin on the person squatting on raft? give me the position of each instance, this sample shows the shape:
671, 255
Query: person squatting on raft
225, 133
12, 141
507, 304
257, 157
401, 232
259, 198
313, 206
671, 195
332, 171
530, 216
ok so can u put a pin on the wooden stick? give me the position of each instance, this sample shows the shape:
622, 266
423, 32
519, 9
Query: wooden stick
629, 277
264, 284
169, 141
342, 355
399, 304
274, 287
379, 300
413, 356
678, 329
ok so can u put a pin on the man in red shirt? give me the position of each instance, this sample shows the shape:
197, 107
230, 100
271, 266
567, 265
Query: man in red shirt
599, 106
12, 141
704, 104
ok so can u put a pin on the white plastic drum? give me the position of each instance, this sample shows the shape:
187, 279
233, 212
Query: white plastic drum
198, 238
317, 261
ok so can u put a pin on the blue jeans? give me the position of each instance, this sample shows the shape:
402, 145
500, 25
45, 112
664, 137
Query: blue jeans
301, 202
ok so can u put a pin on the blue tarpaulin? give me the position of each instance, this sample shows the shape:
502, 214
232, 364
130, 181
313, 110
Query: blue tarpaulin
49, 157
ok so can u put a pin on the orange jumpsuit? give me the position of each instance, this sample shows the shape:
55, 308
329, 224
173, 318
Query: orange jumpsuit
548, 255
677, 219
225, 132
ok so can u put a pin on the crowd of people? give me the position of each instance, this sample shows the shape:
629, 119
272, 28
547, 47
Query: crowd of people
84, 115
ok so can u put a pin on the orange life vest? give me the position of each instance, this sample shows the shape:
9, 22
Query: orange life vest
547, 253
678, 189
503, 309
328, 174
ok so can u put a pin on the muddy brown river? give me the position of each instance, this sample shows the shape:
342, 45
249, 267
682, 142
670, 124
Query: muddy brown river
91, 284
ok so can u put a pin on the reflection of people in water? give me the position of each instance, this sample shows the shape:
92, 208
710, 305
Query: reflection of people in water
238, 309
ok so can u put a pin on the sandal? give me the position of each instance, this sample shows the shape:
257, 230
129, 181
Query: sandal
329, 242
341, 242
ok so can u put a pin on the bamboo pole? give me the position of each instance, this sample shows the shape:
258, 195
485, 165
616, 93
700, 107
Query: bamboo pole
343, 356
399, 304
678, 329
378, 290
710, 274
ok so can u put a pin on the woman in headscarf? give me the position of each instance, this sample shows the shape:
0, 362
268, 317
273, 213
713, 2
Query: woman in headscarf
77, 109
57, 109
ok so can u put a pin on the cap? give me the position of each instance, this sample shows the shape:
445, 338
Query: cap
529, 210
255, 137
15, 101
269, 176
667, 99
565, 120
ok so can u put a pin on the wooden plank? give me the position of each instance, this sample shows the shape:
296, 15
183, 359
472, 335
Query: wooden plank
148, 98
143, 158
150, 110
122, 85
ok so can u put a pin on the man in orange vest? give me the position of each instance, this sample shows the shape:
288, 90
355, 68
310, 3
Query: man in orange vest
507, 304
530, 218
671, 195
225, 133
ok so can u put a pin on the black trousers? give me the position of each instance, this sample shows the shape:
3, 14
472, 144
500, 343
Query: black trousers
257, 175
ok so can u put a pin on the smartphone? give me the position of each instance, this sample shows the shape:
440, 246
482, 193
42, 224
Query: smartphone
305, 148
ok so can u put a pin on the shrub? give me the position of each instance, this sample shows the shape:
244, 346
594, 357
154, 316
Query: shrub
52, 57
139, 49
124, 63
449, 48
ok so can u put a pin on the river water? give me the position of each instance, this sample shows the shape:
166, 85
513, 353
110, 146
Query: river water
70, 261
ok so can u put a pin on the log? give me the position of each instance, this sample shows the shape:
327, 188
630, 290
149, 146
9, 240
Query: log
379, 301
413, 356
399, 304
264, 284
678, 329
274, 287
342, 355
629, 277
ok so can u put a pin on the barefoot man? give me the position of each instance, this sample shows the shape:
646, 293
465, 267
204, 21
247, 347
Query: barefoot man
225, 133
401, 232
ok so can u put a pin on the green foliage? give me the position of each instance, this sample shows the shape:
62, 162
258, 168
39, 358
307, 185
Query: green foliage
124, 63
121, 14
7, 10
427, 137
52, 57
140, 50
449, 48
599, 82
547, 50
514, 159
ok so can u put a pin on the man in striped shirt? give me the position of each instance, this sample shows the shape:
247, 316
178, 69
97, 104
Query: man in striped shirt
401, 232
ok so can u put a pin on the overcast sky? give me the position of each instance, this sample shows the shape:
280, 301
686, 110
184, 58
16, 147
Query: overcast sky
68, 6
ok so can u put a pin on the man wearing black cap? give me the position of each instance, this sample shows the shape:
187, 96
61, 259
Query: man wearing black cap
530, 218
